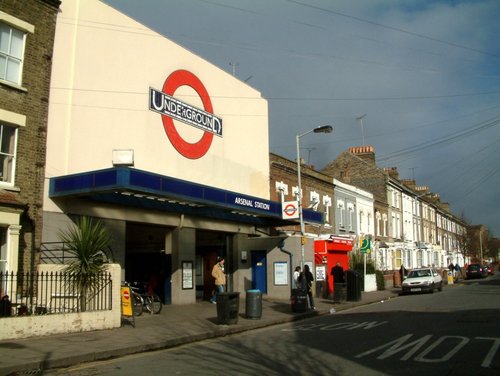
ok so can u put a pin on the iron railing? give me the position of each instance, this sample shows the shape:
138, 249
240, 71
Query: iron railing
36, 293
56, 253
61, 253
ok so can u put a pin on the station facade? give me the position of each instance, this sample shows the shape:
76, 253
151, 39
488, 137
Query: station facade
170, 152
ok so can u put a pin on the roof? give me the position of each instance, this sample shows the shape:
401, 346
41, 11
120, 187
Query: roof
133, 187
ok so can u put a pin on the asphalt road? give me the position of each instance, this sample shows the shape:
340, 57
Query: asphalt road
454, 332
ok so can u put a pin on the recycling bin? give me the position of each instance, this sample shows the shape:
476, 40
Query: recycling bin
339, 292
298, 300
253, 304
353, 282
228, 306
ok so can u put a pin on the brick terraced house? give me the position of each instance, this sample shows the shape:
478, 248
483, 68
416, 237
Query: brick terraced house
26, 42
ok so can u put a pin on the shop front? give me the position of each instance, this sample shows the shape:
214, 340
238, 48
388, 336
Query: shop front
329, 252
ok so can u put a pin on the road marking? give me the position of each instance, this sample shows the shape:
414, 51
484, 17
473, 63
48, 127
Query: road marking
338, 326
494, 348
447, 349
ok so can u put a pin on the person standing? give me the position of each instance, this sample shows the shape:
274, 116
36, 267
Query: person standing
451, 268
337, 273
308, 282
403, 272
220, 279
296, 275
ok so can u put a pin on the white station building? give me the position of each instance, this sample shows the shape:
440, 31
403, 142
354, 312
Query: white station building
169, 151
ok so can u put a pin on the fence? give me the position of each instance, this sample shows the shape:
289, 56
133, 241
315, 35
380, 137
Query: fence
38, 293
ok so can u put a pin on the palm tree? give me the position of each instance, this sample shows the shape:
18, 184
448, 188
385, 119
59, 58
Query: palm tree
88, 241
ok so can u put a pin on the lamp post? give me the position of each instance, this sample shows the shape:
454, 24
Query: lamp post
321, 129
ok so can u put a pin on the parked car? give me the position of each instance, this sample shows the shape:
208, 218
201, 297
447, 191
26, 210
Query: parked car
422, 280
490, 269
476, 271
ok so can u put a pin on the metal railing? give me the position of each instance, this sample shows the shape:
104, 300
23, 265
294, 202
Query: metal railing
37, 293
55, 253
60, 253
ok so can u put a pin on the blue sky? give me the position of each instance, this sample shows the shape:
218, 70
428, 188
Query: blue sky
425, 73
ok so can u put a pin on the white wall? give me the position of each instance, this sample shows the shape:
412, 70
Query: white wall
103, 66
42, 325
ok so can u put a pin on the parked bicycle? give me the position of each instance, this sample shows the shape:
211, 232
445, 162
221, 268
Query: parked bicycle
142, 299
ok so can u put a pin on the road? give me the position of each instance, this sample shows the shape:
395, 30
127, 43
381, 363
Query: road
454, 332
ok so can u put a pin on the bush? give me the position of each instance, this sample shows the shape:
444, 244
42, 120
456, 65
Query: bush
380, 280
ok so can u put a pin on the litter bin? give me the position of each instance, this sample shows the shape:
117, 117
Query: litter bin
228, 306
353, 286
5, 307
298, 300
253, 304
339, 294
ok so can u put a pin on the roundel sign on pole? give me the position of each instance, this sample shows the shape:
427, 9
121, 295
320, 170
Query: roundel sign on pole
164, 103
290, 209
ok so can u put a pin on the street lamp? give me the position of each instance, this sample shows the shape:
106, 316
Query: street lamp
321, 129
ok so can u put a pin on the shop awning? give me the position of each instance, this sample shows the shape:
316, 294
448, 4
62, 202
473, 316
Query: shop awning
133, 187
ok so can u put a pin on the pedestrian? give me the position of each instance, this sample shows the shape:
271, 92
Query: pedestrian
308, 277
403, 272
337, 273
451, 268
296, 275
220, 279
458, 271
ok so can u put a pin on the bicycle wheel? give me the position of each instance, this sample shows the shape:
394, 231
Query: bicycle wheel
153, 303
136, 304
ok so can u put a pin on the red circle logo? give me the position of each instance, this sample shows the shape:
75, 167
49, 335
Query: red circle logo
290, 210
126, 295
172, 83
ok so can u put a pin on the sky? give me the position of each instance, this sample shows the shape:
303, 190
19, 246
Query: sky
418, 80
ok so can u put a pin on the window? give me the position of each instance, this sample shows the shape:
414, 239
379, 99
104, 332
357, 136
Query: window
7, 153
340, 213
11, 53
327, 202
3, 249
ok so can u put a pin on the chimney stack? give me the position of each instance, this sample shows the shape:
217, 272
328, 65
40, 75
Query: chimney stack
392, 171
367, 153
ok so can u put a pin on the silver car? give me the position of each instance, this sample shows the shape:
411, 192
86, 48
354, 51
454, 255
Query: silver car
422, 280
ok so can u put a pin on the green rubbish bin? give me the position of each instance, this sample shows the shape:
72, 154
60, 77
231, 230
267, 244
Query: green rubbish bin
253, 304
353, 282
298, 300
228, 306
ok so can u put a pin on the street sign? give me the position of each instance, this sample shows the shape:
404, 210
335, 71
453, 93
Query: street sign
365, 246
290, 209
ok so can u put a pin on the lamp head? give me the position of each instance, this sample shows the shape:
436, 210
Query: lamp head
324, 129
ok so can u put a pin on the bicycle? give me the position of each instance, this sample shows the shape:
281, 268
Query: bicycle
143, 299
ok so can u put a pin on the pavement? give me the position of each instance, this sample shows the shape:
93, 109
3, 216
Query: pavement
175, 325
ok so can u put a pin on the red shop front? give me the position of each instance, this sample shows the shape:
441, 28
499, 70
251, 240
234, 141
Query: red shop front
330, 251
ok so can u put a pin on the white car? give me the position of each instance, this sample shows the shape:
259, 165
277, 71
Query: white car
422, 280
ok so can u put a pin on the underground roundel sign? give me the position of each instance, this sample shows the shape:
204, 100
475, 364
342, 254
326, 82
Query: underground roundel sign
290, 209
170, 108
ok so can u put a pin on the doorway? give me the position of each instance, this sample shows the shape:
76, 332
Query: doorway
259, 271
146, 260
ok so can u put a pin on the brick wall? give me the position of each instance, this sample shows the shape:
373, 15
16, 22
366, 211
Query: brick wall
285, 170
32, 102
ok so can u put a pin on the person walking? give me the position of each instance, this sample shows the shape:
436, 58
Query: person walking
308, 277
220, 279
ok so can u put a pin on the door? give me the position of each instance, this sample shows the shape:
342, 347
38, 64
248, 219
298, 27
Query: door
259, 271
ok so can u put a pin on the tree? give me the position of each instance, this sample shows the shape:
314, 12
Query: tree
88, 241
